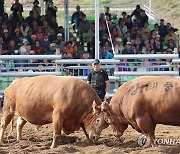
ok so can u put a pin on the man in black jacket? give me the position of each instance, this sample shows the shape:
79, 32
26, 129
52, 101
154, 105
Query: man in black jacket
99, 80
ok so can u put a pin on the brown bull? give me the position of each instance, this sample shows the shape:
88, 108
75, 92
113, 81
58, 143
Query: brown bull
143, 103
67, 102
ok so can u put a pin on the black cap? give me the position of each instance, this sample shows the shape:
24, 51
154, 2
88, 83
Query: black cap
36, 1
96, 61
138, 6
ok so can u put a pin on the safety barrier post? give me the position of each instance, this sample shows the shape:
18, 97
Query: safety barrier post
117, 82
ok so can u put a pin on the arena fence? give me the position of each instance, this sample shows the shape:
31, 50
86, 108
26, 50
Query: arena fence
120, 69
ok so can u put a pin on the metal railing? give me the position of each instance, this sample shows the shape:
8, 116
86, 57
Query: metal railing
111, 65
155, 68
154, 17
10, 68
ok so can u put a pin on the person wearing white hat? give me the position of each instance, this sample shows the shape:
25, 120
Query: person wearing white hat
52, 49
158, 45
25, 41
60, 42
23, 48
5, 31
52, 45
59, 35
23, 51
128, 50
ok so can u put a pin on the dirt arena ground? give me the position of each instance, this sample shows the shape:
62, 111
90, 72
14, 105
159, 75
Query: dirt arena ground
39, 142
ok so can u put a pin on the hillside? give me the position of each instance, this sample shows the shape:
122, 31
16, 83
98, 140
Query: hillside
169, 10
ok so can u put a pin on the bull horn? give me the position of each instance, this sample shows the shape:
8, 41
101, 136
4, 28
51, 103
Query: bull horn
104, 106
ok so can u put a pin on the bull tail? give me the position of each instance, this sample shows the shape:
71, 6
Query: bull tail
12, 127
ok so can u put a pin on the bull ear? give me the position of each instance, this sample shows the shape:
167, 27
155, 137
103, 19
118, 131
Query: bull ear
95, 107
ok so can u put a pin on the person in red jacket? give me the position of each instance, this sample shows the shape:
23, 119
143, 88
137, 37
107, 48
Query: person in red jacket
38, 49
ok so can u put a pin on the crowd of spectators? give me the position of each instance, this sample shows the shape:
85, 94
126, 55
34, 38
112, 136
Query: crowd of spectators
130, 35
40, 34
132, 31
34, 35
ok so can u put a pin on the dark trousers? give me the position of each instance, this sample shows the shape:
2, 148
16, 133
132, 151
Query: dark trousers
101, 94
101, 97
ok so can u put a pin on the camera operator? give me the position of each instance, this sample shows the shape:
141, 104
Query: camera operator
16, 8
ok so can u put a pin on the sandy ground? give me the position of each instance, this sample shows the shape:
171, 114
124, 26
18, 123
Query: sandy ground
39, 142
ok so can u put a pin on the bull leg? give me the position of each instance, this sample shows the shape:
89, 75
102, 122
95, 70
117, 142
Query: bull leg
57, 126
7, 117
136, 127
20, 123
120, 132
147, 126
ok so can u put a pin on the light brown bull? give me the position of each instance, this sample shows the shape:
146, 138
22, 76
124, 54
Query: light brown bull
67, 102
143, 103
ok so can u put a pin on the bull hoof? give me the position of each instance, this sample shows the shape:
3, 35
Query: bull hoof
53, 146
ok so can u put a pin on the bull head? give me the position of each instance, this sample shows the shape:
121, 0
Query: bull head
112, 119
98, 122
106, 109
